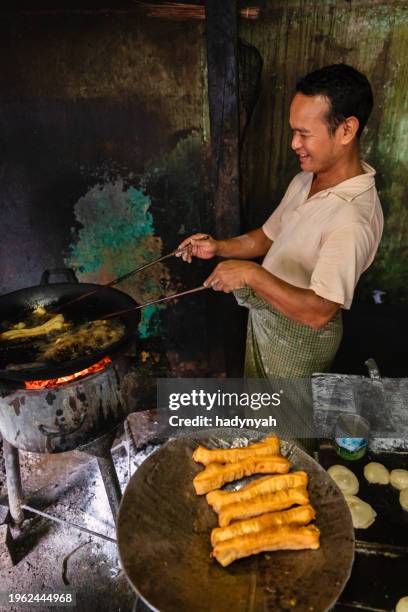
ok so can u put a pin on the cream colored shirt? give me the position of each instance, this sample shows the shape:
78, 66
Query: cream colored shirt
325, 242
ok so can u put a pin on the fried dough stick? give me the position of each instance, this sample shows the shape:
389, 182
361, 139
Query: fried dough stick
269, 446
262, 486
216, 474
53, 324
300, 515
283, 538
281, 500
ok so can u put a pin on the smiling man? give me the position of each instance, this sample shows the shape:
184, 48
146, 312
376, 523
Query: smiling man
317, 242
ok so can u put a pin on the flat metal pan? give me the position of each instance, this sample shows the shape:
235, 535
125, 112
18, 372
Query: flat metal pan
390, 527
163, 534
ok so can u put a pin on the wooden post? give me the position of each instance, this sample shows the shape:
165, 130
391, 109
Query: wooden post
223, 100
221, 31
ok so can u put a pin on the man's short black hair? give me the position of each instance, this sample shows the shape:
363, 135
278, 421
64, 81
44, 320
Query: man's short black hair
348, 93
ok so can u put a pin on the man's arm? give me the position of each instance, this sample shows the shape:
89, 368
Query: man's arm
301, 305
248, 246
342, 259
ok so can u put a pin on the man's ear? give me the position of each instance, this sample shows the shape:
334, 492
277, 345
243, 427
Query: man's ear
349, 129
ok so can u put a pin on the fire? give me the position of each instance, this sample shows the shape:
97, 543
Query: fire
63, 380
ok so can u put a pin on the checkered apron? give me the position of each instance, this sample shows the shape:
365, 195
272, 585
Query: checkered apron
278, 347
288, 353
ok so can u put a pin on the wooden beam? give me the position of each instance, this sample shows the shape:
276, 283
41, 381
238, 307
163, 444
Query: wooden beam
194, 9
223, 99
221, 33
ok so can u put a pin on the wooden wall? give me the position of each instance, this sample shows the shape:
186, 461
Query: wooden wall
297, 36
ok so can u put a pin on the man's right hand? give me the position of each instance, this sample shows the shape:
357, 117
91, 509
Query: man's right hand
202, 246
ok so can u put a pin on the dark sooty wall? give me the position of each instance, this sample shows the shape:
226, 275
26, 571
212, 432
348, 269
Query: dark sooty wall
104, 157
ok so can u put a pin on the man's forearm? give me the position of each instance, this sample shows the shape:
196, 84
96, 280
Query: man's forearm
248, 246
301, 305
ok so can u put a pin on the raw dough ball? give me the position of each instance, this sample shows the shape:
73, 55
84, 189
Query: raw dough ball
344, 479
377, 473
402, 605
363, 514
404, 499
399, 479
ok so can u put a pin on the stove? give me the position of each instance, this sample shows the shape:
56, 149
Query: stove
78, 411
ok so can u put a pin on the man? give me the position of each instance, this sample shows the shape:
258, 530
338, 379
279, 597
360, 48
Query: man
318, 241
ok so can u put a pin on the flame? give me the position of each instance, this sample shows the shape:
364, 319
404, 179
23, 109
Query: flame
63, 380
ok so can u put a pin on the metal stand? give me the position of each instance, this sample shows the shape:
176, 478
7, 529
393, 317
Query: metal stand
100, 449
13, 476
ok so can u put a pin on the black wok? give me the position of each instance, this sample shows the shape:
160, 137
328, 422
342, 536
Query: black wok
18, 360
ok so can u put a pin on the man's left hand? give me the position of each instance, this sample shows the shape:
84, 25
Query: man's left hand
230, 275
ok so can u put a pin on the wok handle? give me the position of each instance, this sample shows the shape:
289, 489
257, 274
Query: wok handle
67, 272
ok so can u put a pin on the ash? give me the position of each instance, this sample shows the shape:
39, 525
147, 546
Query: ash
49, 557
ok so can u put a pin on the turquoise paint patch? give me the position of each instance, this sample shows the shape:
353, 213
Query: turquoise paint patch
115, 237
117, 230
149, 324
113, 219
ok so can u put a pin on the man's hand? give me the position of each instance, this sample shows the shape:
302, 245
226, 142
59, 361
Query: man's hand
202, 246
230, 275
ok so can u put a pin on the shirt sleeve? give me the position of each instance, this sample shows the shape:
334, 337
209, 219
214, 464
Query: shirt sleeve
343, 257
272, 225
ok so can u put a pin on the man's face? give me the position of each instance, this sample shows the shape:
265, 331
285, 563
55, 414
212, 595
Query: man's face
316, 149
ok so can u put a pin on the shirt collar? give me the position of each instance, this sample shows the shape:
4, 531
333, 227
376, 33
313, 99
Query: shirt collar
351, 188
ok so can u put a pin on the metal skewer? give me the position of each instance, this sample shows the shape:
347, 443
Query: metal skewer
64, 522
119, 279
164, 299
115, 281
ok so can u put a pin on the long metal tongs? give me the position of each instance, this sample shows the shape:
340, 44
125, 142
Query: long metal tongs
119, 279
163, 299
113, 282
